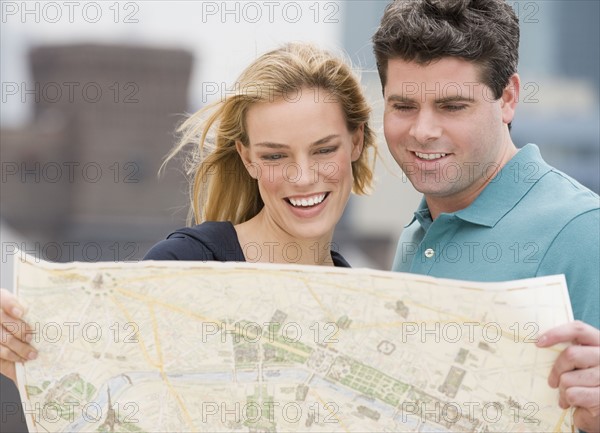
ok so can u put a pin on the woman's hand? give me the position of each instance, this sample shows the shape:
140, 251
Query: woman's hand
15, 335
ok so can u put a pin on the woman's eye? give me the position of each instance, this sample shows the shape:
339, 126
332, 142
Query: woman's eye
272, 157
326, 150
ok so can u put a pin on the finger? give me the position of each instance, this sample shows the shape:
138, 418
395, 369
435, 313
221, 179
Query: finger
8, 355
16, 327
573, 357
10, 304
7, 368
584, 397
585, 421
573, 381
14, 345
588, 377
575, 332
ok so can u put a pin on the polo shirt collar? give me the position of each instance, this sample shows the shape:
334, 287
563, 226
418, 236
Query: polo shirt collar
423, 215
509, 186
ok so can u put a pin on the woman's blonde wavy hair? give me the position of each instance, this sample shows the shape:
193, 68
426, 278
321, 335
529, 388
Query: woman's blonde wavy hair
220, 187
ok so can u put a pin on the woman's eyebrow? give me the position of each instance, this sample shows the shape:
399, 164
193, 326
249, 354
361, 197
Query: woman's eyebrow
272, 145
325, 139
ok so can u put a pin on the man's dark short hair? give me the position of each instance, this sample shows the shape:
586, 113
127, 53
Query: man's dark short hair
485, 32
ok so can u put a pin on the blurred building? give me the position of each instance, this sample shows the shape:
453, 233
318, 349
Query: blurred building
560, 69
85, 169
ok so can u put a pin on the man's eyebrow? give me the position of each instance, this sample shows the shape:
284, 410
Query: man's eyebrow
272, 145
399, 98
454, 98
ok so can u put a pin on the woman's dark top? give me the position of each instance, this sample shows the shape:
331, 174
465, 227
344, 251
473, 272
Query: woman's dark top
209, 241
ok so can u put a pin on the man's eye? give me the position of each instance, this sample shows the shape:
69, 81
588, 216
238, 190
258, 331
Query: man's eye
454, 107
400, 107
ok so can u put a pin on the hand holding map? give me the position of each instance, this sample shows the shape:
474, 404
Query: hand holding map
576, 371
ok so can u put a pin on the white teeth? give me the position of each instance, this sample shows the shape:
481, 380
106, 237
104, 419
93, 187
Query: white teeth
305, 202
430, 156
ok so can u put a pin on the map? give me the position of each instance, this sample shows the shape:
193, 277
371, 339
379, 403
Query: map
213, 347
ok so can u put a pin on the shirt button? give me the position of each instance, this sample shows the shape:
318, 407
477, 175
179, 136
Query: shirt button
429, 253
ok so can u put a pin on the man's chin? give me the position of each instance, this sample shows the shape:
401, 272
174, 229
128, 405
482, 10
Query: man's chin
432, 189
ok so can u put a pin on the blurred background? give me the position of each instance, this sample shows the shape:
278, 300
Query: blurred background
92, 93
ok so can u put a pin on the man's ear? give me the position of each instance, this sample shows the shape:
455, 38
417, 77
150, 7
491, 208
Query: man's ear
358, 141
510, 98
244, 153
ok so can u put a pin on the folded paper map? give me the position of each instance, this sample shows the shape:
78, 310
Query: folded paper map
210, 347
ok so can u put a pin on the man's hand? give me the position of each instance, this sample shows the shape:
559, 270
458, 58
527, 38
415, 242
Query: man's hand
576, 372
15, 335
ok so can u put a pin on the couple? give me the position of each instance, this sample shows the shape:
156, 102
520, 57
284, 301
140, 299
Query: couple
274, 165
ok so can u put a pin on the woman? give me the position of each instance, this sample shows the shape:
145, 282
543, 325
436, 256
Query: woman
285, 151
272, 168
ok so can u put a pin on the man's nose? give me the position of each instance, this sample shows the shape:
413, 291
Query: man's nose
426, 127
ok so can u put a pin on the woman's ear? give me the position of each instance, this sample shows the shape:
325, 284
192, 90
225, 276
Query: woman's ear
244, 153
358, 141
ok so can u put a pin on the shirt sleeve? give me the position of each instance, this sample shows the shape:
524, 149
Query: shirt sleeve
575, 252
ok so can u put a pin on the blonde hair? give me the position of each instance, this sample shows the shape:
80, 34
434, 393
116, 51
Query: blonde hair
220, 187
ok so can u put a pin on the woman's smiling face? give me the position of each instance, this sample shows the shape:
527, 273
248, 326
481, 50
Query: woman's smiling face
301, 153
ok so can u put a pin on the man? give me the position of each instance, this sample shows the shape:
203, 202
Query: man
490, 211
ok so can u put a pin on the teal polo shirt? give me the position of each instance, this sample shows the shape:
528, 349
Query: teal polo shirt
530, 220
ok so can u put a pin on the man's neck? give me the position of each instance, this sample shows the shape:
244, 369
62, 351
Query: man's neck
455, 202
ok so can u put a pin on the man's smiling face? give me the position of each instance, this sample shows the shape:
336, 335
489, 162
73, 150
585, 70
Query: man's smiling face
444, 128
